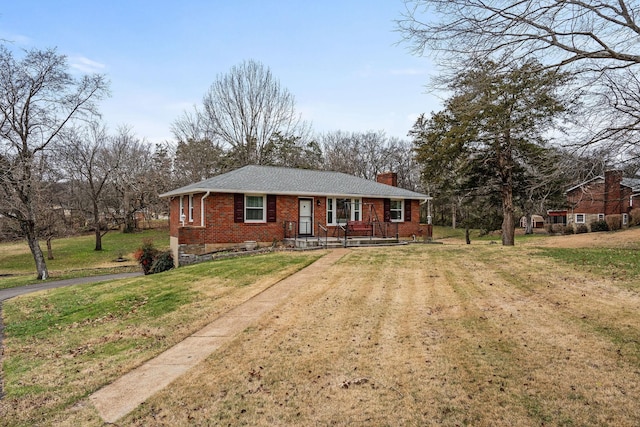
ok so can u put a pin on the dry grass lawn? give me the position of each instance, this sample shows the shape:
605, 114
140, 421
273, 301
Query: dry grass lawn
419, 335
434, 335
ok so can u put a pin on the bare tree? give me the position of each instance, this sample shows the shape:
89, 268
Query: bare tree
602, 33
132, 178
90, 158
366, 154
595, 40
245, 109
38, 99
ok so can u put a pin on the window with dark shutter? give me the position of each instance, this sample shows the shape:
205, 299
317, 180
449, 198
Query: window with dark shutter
271, 208
407, 210
387, 210
238, 208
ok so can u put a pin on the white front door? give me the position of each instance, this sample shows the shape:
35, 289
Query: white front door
305, 217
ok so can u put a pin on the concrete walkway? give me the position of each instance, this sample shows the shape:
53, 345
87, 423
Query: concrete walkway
116, 400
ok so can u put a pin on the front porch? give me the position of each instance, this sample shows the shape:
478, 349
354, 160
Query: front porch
349, 234
309, 242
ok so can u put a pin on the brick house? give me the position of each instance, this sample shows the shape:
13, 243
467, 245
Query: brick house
602, 196
264, 203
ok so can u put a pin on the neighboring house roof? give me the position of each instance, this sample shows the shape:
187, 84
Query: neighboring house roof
295, 182
582, 184
633, 183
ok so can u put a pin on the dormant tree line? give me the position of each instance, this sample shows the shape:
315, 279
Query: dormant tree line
62, 171
519, 74
542, 93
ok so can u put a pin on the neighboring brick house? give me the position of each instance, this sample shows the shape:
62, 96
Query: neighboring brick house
264, 203
602, 196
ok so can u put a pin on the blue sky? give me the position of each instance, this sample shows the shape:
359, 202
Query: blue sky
339, 58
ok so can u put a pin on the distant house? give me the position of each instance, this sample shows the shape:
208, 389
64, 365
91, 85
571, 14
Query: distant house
600, 197
537, 221
263, 204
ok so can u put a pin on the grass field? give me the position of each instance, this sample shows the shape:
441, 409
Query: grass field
74, 257
544, 333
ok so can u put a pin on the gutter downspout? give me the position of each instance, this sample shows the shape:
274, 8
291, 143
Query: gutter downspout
428, 202
202, 208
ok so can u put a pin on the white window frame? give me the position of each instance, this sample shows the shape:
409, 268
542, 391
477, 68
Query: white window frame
600, 217
182, 216
332, 210
190, 207
577, 216
625, 219
401, 210
247, 207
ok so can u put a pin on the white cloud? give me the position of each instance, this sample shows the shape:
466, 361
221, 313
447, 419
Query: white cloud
16, 39
86, 65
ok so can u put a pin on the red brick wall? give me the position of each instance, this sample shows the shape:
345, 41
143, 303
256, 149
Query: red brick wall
588, 200
607, 197
389, 178
613, 193
220, 227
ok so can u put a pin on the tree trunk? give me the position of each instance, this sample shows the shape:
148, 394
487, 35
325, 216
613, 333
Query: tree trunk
528, 228
29, 230
98, 238
505, 163
466, 236
508, 222
49, 249
453, 216
96, 226
129, 222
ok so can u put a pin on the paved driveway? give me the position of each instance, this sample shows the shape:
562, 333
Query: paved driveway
20, 290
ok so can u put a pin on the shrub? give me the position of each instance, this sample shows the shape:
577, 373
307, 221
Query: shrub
600, 225
145, 255
163, 262
614, 222
581, 228
634, 217
558, 229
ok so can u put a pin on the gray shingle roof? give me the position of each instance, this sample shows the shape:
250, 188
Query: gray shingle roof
295, 182
634, 183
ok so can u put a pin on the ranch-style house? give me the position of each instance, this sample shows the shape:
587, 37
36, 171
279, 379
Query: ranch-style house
267, 204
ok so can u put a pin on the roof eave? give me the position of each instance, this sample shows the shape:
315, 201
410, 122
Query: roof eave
291, 193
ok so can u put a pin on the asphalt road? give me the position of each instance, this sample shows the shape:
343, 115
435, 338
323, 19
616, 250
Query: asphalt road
21, 290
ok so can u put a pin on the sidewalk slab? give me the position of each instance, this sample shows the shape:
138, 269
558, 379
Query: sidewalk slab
119, 398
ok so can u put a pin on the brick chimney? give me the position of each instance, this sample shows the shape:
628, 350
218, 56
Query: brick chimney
612, 192
389, 178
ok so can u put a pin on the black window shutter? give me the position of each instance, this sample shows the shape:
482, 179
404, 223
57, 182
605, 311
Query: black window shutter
387, 210
271, 208
238, 207
407, 209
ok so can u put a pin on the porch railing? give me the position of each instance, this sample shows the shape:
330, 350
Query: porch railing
323, 230
290, 229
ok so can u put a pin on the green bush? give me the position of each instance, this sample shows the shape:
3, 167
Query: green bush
162, 262
567, 230
600, 225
